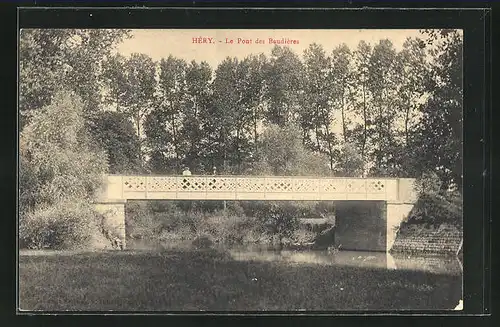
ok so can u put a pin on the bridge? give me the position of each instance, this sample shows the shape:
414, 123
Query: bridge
397, 194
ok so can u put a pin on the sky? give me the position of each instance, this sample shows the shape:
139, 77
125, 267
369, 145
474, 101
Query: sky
160, 44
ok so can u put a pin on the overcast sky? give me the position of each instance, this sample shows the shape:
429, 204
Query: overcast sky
179, 42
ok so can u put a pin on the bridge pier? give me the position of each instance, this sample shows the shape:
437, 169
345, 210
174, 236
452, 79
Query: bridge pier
113, 223
369, 225
396, 213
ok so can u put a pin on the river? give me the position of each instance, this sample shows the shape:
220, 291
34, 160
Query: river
428, 263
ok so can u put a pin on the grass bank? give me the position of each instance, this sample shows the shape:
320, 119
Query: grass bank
209, 280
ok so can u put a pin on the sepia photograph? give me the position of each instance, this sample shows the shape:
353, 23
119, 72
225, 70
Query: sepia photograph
240, 170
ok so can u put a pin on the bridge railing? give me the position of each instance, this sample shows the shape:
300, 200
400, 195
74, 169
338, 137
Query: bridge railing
254, 188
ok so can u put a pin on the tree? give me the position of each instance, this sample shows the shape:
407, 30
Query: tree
362, 132
60, 174
413, 66
350, 163
115, 81
438, 141
279, 219
342, 80
49, 58
58, 153
284, 79
163, 126
252, 75
382, 83
116, 135
131, 86
197, 95
281, 152
319, 82
229, 116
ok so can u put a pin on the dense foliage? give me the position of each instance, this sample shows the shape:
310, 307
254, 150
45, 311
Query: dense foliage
51, 58
58, 159
60, 172
241, 222
436, 206
435, 209
116, 135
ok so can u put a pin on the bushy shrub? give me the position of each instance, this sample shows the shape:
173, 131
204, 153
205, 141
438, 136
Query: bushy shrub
58, 160
436, 209
282, 152
435, 206
162, 206
428, 183
207, 206
144, 221
224, 227
326, 208
61, 171
235, 208
299, 208
68, 225
302, 236
279, 220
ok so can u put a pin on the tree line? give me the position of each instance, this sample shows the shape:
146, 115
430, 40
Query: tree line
369, 111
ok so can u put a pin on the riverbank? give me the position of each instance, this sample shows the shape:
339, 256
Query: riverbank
180, 280
444, 239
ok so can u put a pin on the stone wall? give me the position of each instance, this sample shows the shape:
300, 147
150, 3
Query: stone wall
425, 239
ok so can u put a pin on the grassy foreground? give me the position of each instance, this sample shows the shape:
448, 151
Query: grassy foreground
177, 280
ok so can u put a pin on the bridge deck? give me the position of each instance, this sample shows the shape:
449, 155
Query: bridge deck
121, 187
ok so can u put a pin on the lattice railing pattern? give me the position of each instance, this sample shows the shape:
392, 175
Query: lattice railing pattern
252, 184
332, 185
162, 184
281, 185
193, 184
222, 184
134, 183
306, 185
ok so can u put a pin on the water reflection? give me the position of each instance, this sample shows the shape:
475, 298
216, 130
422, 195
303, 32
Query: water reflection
433, 264
438, 265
